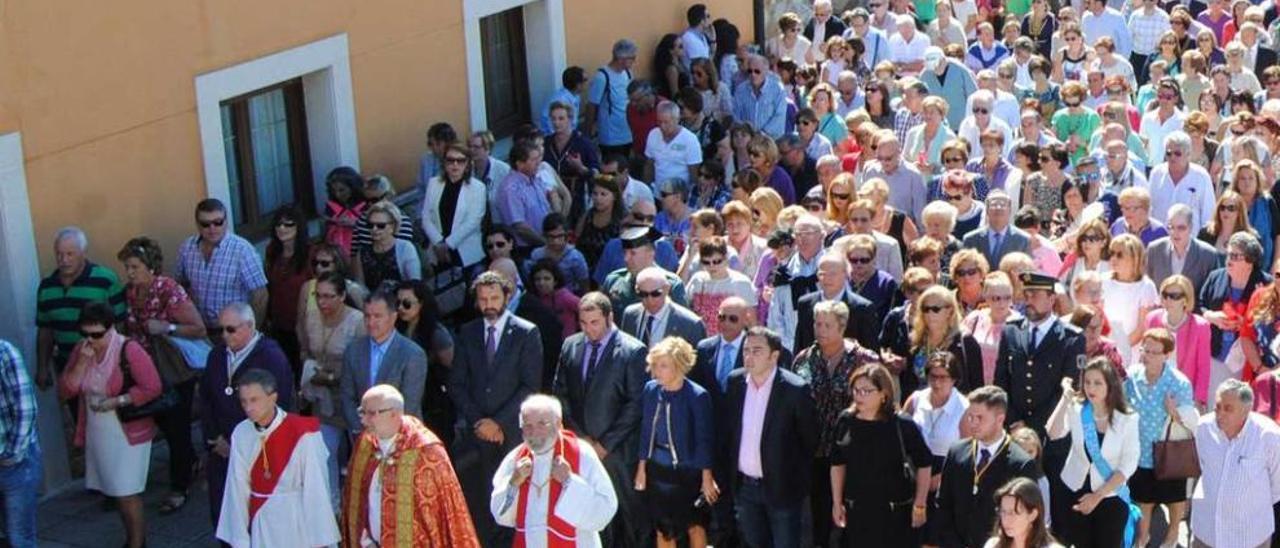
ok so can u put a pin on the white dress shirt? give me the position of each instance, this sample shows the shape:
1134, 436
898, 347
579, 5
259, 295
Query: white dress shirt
659, 327
1239, 481
1195, 189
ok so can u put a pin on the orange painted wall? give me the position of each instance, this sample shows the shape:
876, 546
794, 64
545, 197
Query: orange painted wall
104, 92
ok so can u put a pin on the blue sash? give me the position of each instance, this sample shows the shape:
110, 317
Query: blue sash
1094, 449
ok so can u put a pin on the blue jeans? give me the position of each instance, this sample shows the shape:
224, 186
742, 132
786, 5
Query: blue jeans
763, 523
20, 489
333, 439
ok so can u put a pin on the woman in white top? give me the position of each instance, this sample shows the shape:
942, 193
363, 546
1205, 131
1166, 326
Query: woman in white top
1104, 435
1128, 295
459, 197
938, 409
790, 44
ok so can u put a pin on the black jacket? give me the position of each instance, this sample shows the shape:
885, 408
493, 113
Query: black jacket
788, 440
605, 407
1217, 290
551, 331
834, 26
965, 519
1033, 379
968, 362
480, 390
863, 326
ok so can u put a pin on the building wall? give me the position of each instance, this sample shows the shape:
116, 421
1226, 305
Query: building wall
103, 93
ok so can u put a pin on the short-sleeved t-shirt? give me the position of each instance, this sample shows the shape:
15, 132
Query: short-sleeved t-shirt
58, 306
873, 457
671, 159
608, 91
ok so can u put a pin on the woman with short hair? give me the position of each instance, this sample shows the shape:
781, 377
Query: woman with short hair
986, 325
387, 258
924, 143
1128, 295
1190, 332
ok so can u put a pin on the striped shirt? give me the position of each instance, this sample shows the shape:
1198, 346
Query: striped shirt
17, 405
232, 273
58, 306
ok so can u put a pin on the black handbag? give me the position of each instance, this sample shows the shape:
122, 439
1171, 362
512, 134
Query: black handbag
166, 401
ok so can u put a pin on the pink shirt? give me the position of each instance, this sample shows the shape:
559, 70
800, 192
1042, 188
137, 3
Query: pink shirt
753, 410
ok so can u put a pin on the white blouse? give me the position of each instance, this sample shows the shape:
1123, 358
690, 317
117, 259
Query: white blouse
939, 425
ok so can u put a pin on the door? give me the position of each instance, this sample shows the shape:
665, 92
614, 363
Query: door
506, 72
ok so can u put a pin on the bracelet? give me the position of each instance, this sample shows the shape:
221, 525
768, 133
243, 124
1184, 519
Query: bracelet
918, 508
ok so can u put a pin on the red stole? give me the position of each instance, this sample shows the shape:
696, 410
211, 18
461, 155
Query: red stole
274, 456
559, 533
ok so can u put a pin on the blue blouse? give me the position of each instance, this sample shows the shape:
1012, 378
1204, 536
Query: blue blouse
1148, 401
689, 442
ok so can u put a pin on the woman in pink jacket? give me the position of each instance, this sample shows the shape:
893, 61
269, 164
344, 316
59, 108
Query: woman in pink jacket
1190, 331
108, 371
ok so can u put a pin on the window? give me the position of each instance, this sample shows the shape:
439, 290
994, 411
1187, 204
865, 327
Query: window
506, 74
264, 136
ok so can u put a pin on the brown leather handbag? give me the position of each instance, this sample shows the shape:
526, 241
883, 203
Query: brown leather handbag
1176, 459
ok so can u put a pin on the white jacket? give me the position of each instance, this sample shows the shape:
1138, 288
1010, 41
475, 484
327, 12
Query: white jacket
465, 235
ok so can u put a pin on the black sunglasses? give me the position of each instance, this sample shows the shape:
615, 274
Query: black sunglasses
379, 226
230, 329
655, 294
287, 224
932, 309
406, 304
730, 318
319, 263
95, 335
712, 262
859, 260
215, 222
496, 245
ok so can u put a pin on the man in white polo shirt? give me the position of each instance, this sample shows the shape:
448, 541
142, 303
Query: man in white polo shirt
673, 152
907, 46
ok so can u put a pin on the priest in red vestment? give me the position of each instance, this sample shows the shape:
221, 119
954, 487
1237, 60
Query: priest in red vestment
401, 489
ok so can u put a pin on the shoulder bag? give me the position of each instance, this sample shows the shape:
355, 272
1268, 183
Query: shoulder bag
167, 400
1175, 459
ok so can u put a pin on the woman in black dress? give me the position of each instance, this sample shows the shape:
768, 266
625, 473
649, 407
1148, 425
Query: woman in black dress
881, 465
603, 222
417, 319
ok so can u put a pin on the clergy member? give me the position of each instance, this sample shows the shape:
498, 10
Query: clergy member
552, 488
277, 491
396, 452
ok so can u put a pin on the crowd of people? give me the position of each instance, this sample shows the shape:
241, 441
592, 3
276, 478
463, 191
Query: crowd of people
890, 278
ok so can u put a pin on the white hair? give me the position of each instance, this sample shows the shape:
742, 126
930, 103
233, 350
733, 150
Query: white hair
1177, 139
1239, 388
821, 3
827, 160
386, 394
653, 273
939, 208
669, 108
74, 233
544, 403
1180, 211
242, 311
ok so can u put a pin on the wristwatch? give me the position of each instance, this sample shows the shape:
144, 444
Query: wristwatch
172, 329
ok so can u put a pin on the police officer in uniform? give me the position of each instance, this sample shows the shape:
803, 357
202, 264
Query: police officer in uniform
638, 254
1036, 353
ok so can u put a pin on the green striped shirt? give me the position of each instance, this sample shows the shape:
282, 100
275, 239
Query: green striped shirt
58, 306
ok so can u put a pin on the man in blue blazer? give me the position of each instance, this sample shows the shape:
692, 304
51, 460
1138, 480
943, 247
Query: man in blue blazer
497, 363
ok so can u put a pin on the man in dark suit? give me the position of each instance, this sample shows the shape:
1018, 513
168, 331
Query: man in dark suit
383, 357
770, 426
531, 309
656, 316
997, 238
824, 19
1197, 258
1262, 55
1035, 354
497, 362
599, 380
833, 285
975, 468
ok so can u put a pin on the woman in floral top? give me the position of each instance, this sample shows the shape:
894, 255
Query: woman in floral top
159, 306
827, 366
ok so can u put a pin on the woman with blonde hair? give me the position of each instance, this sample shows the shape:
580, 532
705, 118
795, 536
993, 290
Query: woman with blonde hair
986, 325
1229, 218
968, 270
1262, 210
1191, 332
386, 258
1128, 295
765, 204
935, 327
840, 193
676, 446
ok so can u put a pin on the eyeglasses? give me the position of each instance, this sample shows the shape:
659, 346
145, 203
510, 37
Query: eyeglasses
95, 335
999, 298
644, 218
939, 378
496, 245
966, 272
858, 260
712, 262
1166, 96
979, 110
1171, 296
379, 226
1273, 83
455, 160
370, 413
953, 160
215, 222
864, 392
655, 294
727, 318
319, 263
230, 329
407, 304
1235, 256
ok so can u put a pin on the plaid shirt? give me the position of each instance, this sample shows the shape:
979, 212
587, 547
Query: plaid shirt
1147, 29
903, 121
17, 406
232, 273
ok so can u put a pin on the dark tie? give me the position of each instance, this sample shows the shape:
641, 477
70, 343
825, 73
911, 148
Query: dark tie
996, 239
1035, 338
592, 359
490, 345
648, 329
983, 458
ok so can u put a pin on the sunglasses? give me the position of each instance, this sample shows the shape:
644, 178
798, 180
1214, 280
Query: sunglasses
754, 71
317, 263
1166, 96
1175, 153
806, 122
953, 160
95, 335
1229, 208
655, 294
287, 224
379, 226
981, 111
496, 245
1092, 239
815, 208
215, 222
730, 318
711, 262
644, 218
840, 196
1170, 296
454, 160
859, 260
933, 309
966, 272
406, 304
230, 329
1235, 256
955, 197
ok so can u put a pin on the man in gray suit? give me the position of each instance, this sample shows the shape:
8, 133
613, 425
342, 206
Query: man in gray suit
656, 316
383, 357
600, 380
497, 363
1180, 252
997, 238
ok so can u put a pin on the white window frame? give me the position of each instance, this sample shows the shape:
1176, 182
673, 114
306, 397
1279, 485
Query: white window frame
325, 69
544, 51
